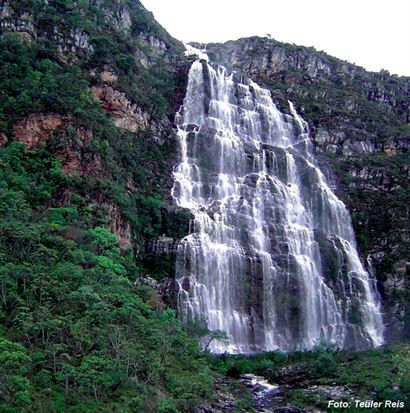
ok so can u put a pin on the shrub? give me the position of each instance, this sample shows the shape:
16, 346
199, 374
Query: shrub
325, 364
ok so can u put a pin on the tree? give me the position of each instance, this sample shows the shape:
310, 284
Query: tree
14, 366
199, 328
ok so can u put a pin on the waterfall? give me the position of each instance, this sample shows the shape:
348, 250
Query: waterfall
271, 257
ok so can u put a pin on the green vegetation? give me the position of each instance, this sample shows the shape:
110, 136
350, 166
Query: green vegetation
77, 335
36, 77
31, 83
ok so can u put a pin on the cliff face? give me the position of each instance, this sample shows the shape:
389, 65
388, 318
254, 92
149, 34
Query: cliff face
95, 80
360, 125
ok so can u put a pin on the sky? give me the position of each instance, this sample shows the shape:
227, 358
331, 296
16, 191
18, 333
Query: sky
374, 34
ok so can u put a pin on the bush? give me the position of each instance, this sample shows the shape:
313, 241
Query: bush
325, 365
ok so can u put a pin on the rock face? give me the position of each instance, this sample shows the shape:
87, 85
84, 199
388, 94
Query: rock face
37, 128
108, 76
126, 115
20, 22
77, 42
3, 139
120, 227
359, 122
265, 58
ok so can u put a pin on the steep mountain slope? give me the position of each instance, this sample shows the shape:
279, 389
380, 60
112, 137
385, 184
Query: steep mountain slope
87, 91
95, 84
360, 125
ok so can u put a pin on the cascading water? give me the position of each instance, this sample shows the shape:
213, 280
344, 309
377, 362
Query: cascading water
271, 258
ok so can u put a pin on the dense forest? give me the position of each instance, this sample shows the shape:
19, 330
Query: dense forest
88, 94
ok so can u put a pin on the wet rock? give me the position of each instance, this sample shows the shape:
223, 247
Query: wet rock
204, 408
287, 409
357, 136
146, 280
167, 289
162, 245
265, 395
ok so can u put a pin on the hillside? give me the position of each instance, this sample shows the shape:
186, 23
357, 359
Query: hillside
88, 91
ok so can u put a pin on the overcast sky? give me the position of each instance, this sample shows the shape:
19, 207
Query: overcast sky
374, 34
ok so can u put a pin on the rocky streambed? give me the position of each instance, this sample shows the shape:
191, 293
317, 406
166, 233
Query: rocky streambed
293, 391
267, 397
292, 386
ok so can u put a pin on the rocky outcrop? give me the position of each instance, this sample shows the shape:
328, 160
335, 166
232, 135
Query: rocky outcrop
3, 140
266, 59
108, 76
157, 47
21, 20
167, 290
338, 142
77, 42
119, 227
75, 163
126, 115
154, 43
37, 129
119, 16
17, 21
